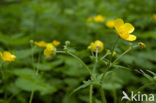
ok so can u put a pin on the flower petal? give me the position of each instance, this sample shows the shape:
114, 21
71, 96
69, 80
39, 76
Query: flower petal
131, 37
127, 27
118, 22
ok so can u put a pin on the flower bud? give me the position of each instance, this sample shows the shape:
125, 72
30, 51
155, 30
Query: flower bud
114, 54
67, 43
31, 41
142, 45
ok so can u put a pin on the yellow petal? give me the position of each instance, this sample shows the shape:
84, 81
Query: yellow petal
118, 22
50, 50
40, 44
131, 38
56, 43
7, 57
110, 23
128, 28
99, 18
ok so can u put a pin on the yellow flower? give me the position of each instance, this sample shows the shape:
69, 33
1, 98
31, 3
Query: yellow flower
41, 44
90, 21
56, 43
50, 50
110, 23
114, 54
99, 18
7, 56
124, 30
142, 45
97, 45
154, 16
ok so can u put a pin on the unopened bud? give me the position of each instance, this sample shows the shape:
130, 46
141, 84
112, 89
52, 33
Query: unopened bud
67, 43
31, 41
142, 45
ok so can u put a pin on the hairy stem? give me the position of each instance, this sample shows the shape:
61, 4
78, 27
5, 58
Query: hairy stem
86, 67
91, 94
102, 95
31, 96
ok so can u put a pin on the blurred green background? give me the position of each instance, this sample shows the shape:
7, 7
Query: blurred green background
48, 20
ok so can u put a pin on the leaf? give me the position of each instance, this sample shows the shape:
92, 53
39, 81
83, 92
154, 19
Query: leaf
44, 67
111, 81
28, 80
151, 72
146, 75
86, 84
22, 54
149, 34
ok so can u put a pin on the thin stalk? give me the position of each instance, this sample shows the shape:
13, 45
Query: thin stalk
96, 61
102, 95
105, 71
145, 86
32, 92
121, 55
115, 43
114, 96
91, 94
4, 80
94, 70
31, 96
105, 56
32, 57
111, 64
86, 67
37, 70
142, 87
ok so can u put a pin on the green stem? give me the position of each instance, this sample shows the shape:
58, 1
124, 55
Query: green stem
31, 96
130, 48
114, 96
144, 86
4, 80
94, 70
102, 95
32, 57
91, 94
37, 69
105, 71
110, 65
86, 67
96, 61
107, 53
115, 43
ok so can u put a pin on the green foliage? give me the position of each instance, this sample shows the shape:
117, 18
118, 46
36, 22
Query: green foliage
55, 78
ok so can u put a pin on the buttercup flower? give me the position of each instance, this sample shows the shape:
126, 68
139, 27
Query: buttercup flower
154, 16
110, 23
41, 44
99, 18
56, 43
124, 30
50, 50
142, 45
7, 56
97, 45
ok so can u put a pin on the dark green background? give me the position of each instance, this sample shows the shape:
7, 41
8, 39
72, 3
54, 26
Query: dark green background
48, 20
